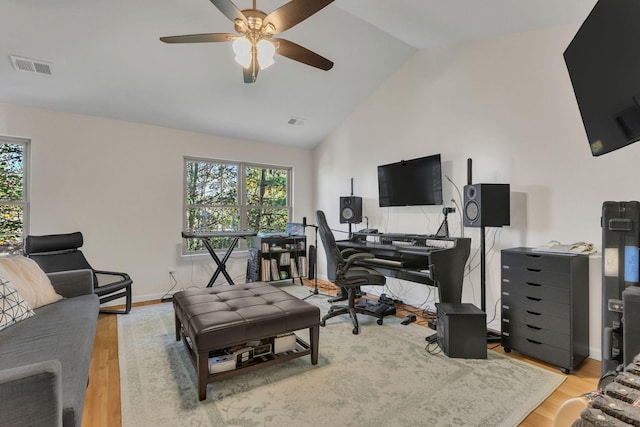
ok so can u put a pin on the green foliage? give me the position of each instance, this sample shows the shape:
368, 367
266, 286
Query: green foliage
212, 196
11, 194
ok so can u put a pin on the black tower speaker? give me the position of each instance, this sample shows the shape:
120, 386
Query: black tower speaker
350, 210
462, 330
486, 205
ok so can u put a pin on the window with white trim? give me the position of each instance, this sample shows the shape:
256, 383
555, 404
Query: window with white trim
14, 200
221, 195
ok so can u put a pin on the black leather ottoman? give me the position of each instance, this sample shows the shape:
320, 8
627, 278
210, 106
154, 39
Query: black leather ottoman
228, 315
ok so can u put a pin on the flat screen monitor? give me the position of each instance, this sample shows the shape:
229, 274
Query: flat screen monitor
411, 182
603, 61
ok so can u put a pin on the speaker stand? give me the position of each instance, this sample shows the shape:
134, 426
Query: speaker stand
314, 291
491, 336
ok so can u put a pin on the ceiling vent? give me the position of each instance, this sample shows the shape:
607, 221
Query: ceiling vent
295, 121
31, 65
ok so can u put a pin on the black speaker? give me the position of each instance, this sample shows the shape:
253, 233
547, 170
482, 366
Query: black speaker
350, 210
462, 330
486, 205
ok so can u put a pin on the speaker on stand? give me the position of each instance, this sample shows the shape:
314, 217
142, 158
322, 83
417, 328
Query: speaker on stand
485, 205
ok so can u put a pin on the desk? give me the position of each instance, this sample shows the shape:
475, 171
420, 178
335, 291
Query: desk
221, 263
418, 258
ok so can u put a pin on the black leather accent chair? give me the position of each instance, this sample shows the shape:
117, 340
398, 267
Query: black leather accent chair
343, 272
59, 252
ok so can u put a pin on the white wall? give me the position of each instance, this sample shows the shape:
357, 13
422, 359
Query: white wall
508, 104
120, 184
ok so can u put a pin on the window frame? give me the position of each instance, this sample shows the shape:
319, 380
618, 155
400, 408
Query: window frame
242, 206
26, 180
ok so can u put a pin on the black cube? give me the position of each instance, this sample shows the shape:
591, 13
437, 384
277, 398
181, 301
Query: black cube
462, 330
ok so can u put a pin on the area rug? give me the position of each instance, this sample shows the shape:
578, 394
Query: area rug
381, 377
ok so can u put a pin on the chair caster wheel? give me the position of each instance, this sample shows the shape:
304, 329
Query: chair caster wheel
322, 323
355, 331
507, 350
379, 321
565, 371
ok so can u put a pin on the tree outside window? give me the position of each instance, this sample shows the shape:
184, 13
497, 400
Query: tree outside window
13, 194
222, 196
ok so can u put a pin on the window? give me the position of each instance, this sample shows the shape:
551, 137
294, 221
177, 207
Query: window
222, 195
13, 194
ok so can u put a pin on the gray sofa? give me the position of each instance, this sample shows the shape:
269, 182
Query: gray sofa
44, 360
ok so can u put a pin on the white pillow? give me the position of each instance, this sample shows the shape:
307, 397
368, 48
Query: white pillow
12, 307
29, 280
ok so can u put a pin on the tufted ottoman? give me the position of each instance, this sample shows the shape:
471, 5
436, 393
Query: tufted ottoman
223, 316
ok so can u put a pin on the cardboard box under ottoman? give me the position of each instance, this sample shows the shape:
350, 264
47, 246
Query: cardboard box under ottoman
224, 316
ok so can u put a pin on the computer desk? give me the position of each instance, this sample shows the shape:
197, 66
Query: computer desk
434, 261
221, 263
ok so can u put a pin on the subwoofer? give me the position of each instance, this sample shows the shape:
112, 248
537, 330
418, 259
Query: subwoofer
486, 205
350, 210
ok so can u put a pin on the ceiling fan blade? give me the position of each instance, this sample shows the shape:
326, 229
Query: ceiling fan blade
301, 54
229, 10
293, 13
250, 73
200, 38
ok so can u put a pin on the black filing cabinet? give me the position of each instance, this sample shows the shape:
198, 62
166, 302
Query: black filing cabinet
545, 305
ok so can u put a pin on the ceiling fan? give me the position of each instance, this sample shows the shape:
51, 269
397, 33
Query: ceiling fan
254, 45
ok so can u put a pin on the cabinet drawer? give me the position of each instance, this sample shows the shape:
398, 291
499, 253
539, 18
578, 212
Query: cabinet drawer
540, 277
535, 305
535, 290
548, 353
538, 320
535, 261
538, 335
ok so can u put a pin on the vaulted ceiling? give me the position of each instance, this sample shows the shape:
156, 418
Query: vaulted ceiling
107, 60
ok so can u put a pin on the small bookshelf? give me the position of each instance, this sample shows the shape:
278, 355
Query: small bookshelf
280, 258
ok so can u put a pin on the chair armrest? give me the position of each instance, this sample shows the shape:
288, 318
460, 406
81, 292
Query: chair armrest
346, 253
355, 258
72, 283
32, 394
122, 277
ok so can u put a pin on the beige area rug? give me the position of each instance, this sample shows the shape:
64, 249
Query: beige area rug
381, 377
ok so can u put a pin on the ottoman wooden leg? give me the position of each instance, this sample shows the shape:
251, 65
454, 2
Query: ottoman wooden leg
203, 374
314, 337
178, 326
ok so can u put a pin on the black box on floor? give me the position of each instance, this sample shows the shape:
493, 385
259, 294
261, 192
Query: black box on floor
462, 330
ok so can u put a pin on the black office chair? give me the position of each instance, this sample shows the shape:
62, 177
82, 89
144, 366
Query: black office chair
348, 276
59, 252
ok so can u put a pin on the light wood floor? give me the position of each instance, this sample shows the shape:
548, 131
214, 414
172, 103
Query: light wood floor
102, 402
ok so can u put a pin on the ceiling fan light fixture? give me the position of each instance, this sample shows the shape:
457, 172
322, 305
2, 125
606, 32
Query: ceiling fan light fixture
242, 49
241, 46
266, 51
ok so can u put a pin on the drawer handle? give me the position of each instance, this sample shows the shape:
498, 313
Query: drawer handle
533, 284
533, 256
505, 307
506, 293
534, 270
506, 334
533, 327
534, 313
506, 320
532, 341
534, 299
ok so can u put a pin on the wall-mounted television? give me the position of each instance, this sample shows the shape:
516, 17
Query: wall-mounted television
604, 66
413, 182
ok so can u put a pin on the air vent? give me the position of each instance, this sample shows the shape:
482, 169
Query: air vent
31, 65
296, 121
